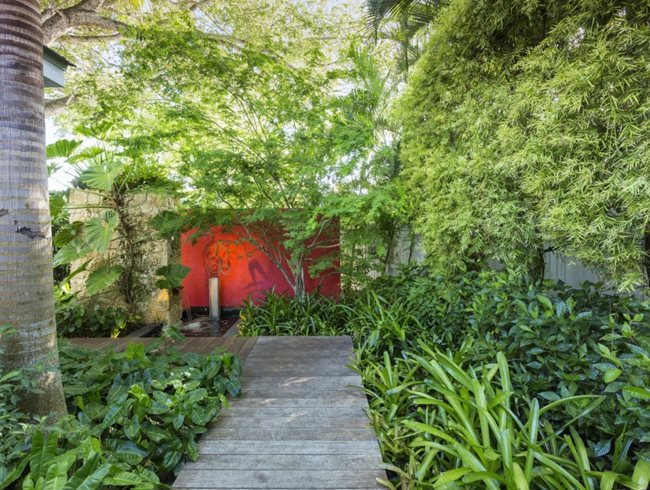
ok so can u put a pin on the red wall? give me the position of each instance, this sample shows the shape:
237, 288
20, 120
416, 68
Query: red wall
249, 274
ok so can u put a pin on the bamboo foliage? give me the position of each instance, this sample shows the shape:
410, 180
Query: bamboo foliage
525, 124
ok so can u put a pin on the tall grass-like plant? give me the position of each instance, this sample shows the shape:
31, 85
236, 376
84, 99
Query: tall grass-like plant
462, 429
282, 315
583, 353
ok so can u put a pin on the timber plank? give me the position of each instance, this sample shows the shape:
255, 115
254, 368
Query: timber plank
207, 446
298, 393
300, 423
300, 479
297, 370
302, 382
304, 355
314, 401
247, 348
298, 434
285, 461
294, 421
274, 412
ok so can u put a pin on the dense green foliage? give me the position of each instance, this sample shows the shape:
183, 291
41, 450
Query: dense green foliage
76, 318
581, 352
525, 124
134, 418
523, 129
286, 125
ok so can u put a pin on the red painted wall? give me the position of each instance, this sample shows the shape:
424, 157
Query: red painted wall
249, 273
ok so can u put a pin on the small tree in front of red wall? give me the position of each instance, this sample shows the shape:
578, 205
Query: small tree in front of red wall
294, 242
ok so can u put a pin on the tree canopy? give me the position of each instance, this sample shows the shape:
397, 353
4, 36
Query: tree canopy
289, 118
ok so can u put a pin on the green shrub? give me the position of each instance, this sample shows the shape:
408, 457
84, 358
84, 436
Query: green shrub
281, 315
573, 341
85, 466
76, 319
561, 343
148, 407
456, 425
16, 426
134, 417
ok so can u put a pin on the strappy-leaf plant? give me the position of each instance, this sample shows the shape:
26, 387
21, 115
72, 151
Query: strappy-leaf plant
578, 363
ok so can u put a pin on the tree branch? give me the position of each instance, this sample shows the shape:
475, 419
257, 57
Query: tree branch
96, 37
58, 23
54, 107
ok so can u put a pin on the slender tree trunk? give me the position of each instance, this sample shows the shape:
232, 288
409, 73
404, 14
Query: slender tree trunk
298, 272
538, 264
26, 291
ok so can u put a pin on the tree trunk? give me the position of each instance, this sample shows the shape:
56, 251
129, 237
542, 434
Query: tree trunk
299, 281
26, 287
538, 264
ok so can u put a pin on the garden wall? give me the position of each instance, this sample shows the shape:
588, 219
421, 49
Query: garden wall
142, 255
250, 272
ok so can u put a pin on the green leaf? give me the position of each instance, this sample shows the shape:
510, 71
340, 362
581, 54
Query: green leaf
43, 450
130, 452
636, 392
15, 473
641, 475
99, 232
611, 375
86, 154
57, 476
71, 251
103, 277
88, 478
124, 478
62, 149
102, 177
172, 276
450, 476
545, 301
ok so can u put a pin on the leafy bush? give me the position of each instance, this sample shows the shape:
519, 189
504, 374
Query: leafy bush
16, 426
561, 342
76, 319
134, 417
281, 315
85, 466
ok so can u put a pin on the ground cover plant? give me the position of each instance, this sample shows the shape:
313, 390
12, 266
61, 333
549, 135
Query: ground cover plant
490, 381
134, 417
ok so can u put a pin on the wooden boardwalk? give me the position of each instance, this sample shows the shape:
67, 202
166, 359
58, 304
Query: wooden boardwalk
299, 424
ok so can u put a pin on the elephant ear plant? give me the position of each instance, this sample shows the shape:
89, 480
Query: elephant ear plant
109, 241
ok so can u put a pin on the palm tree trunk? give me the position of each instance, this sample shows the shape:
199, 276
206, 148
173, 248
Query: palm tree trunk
26, 294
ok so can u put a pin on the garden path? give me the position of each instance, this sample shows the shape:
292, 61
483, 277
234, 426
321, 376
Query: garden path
299, 424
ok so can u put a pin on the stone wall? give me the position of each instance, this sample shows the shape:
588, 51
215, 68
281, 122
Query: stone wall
135, 248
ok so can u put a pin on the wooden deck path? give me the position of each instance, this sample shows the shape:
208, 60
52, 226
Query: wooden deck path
299, 424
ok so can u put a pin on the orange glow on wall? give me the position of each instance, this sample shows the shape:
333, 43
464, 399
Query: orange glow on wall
243, 270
